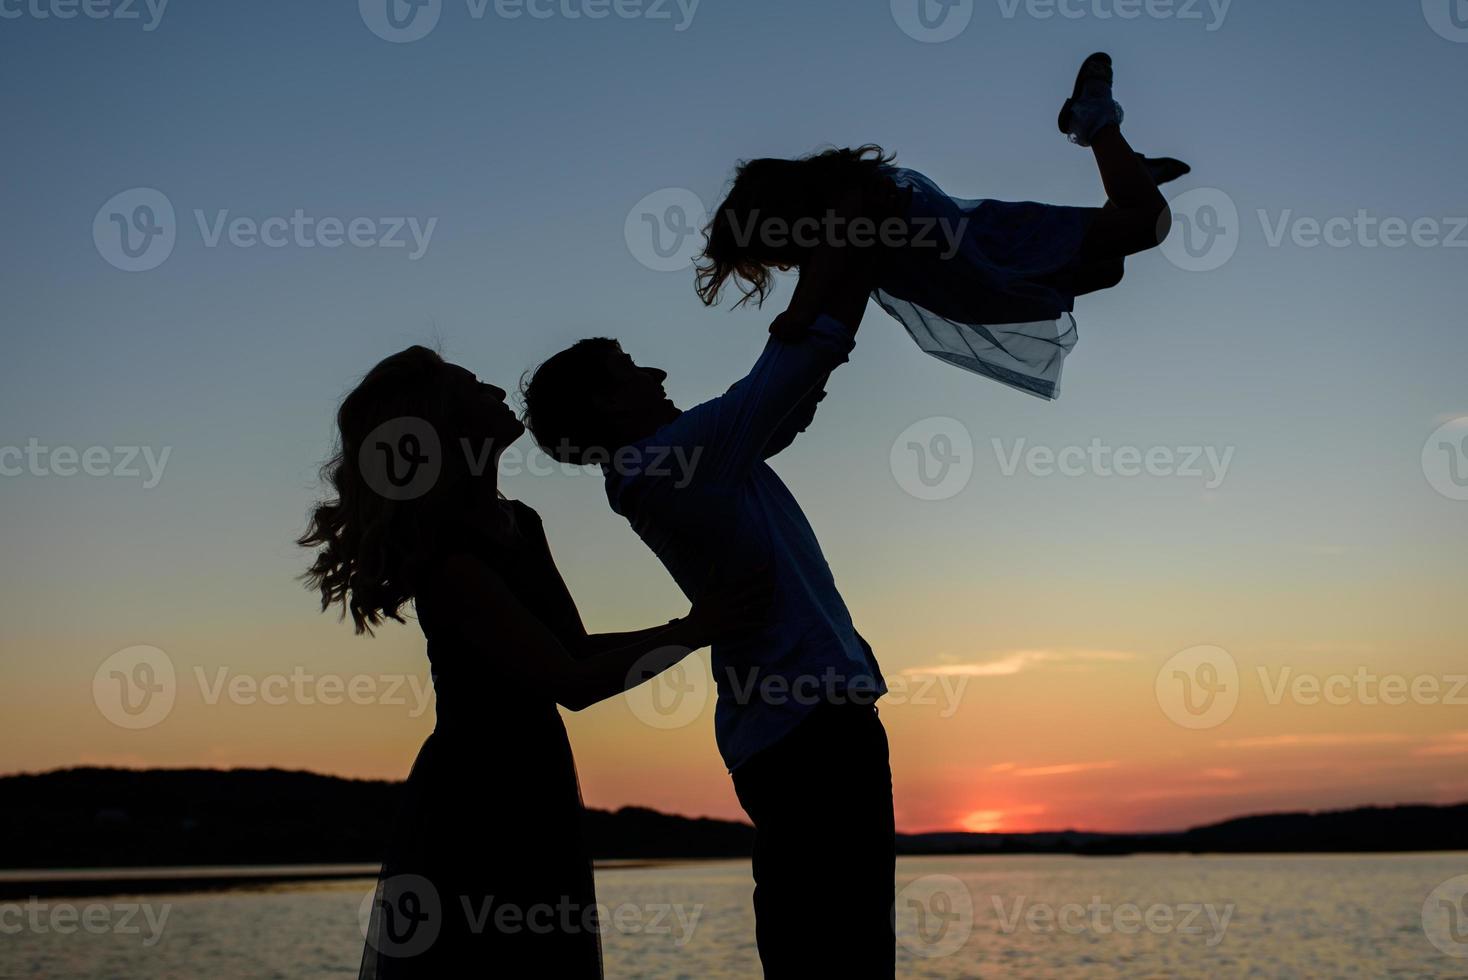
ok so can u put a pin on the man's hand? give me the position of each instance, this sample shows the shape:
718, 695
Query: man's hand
792, 326
838, 276
876, 196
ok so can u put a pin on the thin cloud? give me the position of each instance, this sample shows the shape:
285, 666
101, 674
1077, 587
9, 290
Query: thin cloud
1312, 741
1222, 773
1344, 649
1066, 769
1018, 661
1453, 743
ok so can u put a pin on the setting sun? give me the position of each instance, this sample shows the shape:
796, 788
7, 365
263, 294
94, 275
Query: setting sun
1011, 820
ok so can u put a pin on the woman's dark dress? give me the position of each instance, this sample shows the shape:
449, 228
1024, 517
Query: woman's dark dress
487, 874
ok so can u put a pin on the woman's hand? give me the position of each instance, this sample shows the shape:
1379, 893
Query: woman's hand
733, 610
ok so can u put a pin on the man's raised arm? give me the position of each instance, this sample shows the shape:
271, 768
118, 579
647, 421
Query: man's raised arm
763, 412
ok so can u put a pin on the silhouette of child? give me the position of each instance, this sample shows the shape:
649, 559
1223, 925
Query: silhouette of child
987, 285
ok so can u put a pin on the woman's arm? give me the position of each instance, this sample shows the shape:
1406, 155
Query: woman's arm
492, 621
599, 643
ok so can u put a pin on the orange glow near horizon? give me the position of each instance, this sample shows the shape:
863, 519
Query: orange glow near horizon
1012, 714
1067, 742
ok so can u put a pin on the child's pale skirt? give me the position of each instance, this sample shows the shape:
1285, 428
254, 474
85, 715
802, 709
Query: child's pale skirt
981, 284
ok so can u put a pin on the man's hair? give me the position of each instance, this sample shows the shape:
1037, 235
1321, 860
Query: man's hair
559, 399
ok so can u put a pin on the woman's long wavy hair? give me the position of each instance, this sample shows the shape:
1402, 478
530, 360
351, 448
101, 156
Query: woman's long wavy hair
370, 547
766, 190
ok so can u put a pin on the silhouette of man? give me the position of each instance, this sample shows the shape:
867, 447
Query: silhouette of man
795, 719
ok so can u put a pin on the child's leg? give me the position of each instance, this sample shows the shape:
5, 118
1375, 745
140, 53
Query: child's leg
1089, 273
1094, 275
1135, 218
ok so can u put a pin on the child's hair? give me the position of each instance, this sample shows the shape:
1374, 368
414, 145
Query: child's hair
771, 189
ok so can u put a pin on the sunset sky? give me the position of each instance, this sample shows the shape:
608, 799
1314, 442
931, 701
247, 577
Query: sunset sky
1026, 617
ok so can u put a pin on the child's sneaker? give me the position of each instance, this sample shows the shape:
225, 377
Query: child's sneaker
1090, 107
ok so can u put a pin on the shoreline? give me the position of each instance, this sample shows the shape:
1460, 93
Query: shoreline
20, 884
29, 884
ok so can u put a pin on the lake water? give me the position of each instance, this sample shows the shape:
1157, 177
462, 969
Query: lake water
1042, 916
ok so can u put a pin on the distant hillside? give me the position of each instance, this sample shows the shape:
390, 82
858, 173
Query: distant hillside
1396, 828
117, 818
122, 818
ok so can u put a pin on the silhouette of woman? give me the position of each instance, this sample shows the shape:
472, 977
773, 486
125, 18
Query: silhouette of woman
487, 871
